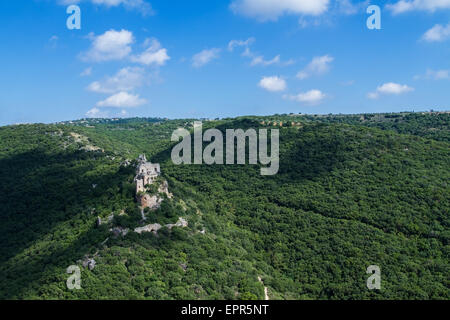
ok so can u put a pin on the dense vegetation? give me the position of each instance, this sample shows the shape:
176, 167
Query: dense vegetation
352, 191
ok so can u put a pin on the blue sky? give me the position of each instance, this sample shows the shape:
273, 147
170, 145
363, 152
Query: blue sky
207, 58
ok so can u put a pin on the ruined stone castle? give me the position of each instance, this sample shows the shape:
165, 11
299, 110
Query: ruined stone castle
146, 173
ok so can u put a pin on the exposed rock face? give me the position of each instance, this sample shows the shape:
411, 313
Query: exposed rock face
118, 231
125, 163
89, 263
149, 228
78, 138
182, 223
154, 201
109, 219
148, 201
183, 266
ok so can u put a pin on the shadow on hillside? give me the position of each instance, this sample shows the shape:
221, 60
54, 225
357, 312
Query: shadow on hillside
23, 280
305, 154
39, 192
309, 154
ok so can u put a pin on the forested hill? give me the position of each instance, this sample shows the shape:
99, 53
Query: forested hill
352, 191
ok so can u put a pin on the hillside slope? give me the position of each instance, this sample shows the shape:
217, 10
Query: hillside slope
346, 197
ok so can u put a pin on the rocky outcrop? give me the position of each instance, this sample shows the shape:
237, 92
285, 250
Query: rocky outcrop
149, 228
149, 201
88, 262
125, 163
119, 231
86, 146
109, 219
153, 202
182, 223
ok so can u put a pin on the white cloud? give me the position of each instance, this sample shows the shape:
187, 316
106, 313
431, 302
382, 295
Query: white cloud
434, 75
122, 100
318, 66
96, 113
259, 60
53, 41
437, 33
273, 84
86, 72
142, 6
390, 88
265, 10
424, 5
256, 59
311, 97
335, 9
348, 8
204, 57
153, 55
111, 45
240, 43
125, 79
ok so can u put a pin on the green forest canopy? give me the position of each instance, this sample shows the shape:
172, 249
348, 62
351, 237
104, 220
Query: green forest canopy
352, 191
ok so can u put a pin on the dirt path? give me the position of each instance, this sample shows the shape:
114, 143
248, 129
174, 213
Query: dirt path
266, 295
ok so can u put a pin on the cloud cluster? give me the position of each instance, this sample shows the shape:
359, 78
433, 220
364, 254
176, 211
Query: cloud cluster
425, 5
116, 45
142, 6
318, 66
256, 60
118, 86
265, 10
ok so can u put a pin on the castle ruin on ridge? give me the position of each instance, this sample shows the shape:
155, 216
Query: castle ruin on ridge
146, 173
